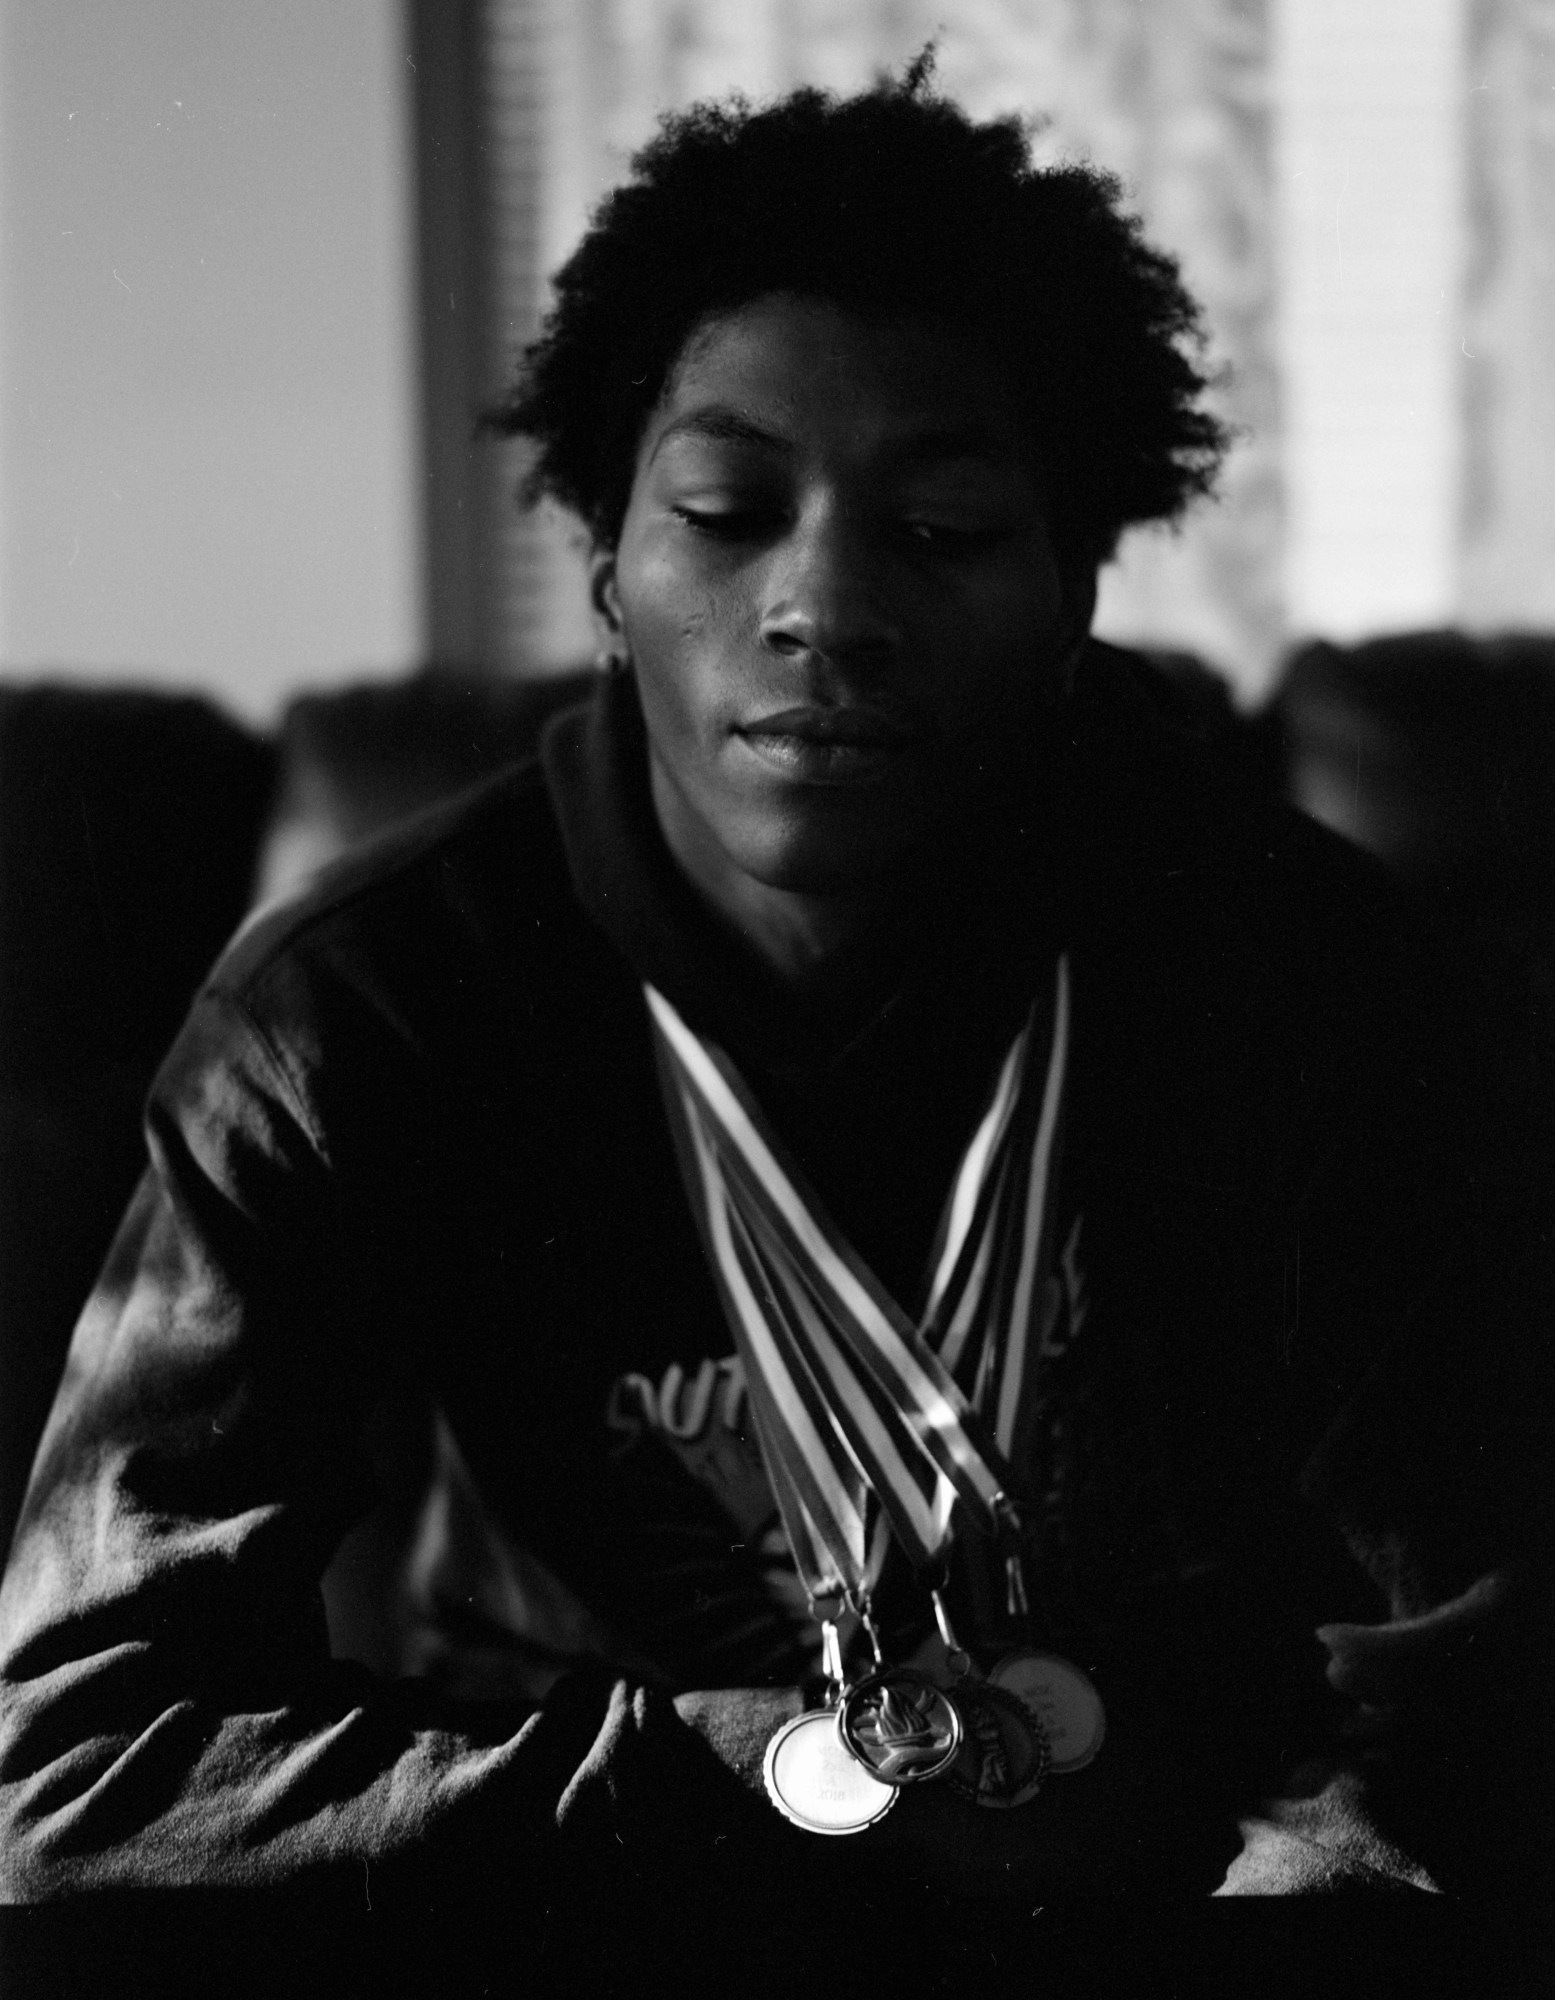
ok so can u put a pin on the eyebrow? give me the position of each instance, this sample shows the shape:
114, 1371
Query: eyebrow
722, 424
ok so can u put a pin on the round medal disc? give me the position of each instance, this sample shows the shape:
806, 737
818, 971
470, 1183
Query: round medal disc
900, 1726
813, 1781
1063, 1699
1004, 1755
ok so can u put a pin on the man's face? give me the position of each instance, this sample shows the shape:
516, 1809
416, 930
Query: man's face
838, 588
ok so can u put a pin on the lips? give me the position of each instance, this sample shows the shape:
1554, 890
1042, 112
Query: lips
828, 745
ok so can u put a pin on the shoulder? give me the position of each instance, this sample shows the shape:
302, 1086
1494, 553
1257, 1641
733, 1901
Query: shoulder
472, 876
404, 976
1173, 781
1197, 877
423, 983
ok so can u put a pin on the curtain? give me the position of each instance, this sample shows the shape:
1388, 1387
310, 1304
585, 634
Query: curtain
1508, 500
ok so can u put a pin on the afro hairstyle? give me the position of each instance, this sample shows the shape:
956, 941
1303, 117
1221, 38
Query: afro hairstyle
889, 203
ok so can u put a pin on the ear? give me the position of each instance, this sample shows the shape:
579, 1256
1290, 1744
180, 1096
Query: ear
606, 599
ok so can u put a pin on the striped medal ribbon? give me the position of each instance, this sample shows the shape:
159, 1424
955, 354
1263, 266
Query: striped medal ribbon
852, 1402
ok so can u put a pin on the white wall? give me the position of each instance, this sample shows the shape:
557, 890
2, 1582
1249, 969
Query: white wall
207, 449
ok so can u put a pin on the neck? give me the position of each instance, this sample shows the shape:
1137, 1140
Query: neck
840, 952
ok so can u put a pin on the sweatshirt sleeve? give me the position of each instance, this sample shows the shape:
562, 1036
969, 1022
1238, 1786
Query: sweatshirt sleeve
169, 1712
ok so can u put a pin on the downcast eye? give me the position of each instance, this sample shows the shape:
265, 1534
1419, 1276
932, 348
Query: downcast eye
734, 524
943, 535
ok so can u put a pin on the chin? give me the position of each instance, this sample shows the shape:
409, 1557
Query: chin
824, 861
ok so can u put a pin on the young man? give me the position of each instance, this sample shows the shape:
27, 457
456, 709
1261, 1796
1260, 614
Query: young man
930, 1221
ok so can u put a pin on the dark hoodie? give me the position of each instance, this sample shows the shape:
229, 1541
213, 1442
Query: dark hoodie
409, 1152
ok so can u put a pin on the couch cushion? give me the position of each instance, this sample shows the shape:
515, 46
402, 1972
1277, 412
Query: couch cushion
354, 761
129, 823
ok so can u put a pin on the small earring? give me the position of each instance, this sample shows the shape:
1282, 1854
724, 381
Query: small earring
608, 661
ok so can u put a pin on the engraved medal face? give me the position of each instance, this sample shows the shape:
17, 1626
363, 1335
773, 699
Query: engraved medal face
813, 1781
1063, 1699
1003, 1757
900, 1726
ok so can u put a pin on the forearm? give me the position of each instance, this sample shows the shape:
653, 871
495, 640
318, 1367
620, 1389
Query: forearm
115, 1779
169, 1713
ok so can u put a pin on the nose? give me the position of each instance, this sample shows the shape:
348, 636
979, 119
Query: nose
825, 595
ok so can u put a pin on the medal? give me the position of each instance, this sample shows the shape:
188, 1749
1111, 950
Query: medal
1004, 1754
815, 1782
1060, 1695
900, 1726
870, 1421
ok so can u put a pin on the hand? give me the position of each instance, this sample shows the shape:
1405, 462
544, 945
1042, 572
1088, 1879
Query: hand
1464, 1651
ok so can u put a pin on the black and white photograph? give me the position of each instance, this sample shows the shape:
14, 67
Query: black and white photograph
777, 998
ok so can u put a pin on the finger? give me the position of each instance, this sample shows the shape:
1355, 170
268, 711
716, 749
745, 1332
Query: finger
1425, 1654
